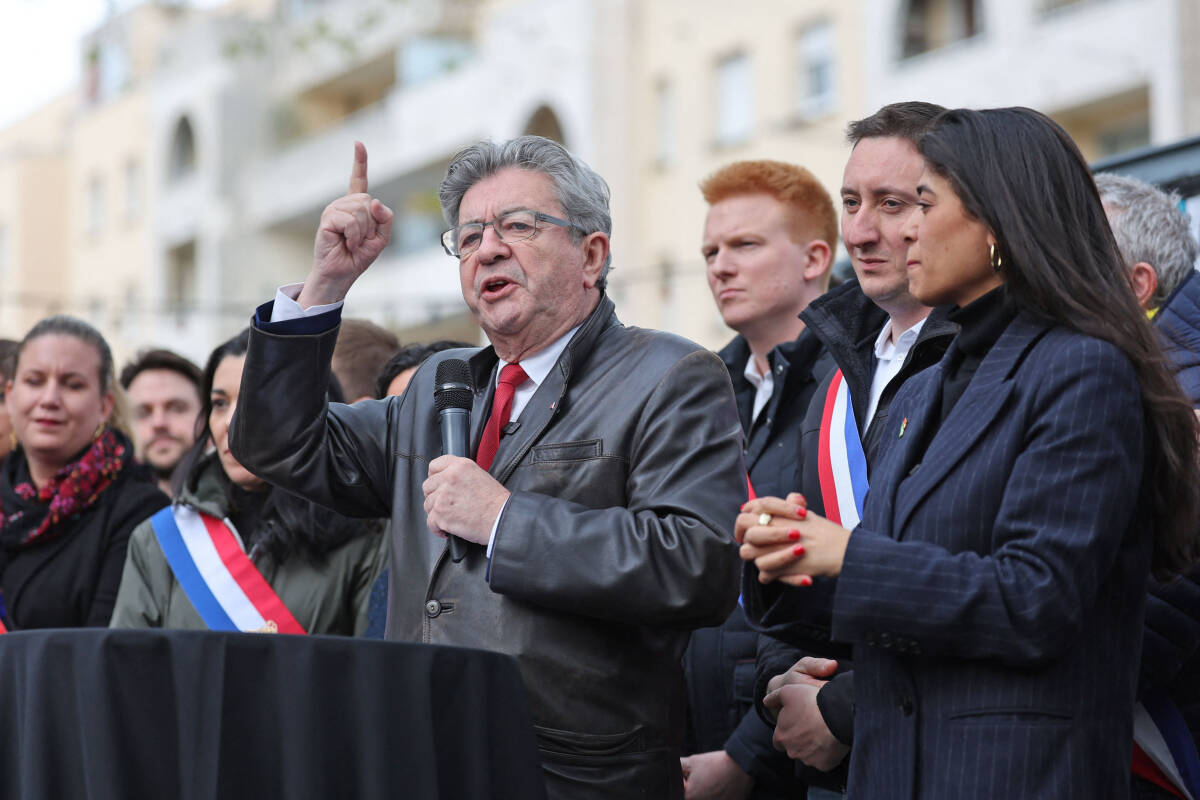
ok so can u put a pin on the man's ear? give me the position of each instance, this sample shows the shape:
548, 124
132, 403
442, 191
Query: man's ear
818, 258
595, 254
1145, 281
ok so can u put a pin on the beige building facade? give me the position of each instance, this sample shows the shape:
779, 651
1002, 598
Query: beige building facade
1117, 74
189, 170
35, 217
715, 83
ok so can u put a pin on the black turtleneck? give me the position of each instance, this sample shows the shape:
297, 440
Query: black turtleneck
981, 322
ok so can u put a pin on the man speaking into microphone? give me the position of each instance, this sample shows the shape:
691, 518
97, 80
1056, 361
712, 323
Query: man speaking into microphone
598, 507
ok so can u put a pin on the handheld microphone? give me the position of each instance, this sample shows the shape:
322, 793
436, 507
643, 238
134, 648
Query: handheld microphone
452, 397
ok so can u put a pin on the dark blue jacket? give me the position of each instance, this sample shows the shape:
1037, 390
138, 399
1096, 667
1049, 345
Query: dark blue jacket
1171, 654
848, 323
720, 662
1179, 323
993, 593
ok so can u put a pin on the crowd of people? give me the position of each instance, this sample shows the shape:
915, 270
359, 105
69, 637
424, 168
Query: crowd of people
931, 531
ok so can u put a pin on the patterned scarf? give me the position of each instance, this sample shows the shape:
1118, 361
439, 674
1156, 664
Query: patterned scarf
73, 488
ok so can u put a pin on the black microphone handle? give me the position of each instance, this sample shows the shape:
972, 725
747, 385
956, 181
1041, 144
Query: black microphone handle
456, 436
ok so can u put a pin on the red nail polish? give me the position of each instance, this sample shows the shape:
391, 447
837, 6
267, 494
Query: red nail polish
805, 580
794, 535
798, 550
801, 512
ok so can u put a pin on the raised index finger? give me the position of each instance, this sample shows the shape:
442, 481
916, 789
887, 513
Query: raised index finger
358, 173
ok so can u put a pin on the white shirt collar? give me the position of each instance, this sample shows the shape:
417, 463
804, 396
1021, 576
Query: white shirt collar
764, 385
885, 349
752, 374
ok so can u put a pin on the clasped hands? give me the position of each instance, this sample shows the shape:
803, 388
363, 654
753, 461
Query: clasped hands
800, 729
794, 544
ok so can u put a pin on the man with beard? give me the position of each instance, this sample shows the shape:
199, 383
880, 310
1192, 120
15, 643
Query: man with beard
164, 398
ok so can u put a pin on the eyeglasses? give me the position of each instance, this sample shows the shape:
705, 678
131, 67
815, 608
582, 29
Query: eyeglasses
515, 226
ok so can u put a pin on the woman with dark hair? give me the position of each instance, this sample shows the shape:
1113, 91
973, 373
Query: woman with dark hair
70, 492
234, 553
994, 591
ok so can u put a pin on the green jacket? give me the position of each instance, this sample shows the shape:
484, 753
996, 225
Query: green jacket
328, 600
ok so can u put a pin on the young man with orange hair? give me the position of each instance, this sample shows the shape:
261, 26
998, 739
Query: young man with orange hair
769, 240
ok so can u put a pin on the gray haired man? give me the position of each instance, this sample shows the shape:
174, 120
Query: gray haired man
608, 471
1153, 234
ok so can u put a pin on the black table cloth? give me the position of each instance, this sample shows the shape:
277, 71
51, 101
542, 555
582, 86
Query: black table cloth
197, 716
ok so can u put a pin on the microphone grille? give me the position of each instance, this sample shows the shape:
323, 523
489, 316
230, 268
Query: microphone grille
452, 385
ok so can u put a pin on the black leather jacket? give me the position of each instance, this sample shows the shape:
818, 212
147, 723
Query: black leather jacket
626, 475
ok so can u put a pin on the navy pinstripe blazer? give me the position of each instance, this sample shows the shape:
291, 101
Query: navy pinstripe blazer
994, 590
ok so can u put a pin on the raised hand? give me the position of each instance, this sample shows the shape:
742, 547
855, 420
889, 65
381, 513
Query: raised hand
354, 230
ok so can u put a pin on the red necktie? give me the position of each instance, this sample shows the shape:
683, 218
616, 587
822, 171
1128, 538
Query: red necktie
511, 377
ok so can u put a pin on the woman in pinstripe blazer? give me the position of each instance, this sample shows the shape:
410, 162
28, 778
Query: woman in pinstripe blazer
993, 593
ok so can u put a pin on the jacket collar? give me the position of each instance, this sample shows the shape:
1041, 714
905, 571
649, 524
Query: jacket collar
546, 401
848, 322
484, 361
984, 400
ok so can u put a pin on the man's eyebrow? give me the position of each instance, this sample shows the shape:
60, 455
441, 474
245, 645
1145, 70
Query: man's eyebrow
500, 213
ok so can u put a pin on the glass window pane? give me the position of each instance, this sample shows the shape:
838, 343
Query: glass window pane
815, 72
735, 100
666, 136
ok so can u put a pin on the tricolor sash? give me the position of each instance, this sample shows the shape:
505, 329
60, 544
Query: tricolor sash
1162, 735
220, 580
841, 462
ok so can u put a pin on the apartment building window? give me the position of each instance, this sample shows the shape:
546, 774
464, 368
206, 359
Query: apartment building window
816, 90
1123, 137
183, 150
114, 70
181, 279
1054, 5
132, 190
94, 197
666, 133
300, 9
735, 100
933, 24
426, 58
668, 296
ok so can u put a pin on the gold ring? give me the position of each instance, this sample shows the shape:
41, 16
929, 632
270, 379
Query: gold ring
764, 519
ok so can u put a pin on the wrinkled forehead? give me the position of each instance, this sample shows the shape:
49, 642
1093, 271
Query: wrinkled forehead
507, 190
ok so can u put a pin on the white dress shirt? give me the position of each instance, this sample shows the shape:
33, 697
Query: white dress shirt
764, 385
889, 357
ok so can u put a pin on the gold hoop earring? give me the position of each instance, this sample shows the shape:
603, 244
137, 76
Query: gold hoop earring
99, 431
12, 440
995, 258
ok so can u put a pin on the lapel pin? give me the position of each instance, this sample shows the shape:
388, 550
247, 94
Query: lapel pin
903, 425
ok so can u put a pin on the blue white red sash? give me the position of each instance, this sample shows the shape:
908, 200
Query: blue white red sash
1163, 736
841, 462
225, 587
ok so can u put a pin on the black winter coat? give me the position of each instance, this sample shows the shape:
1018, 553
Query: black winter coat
71, 580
